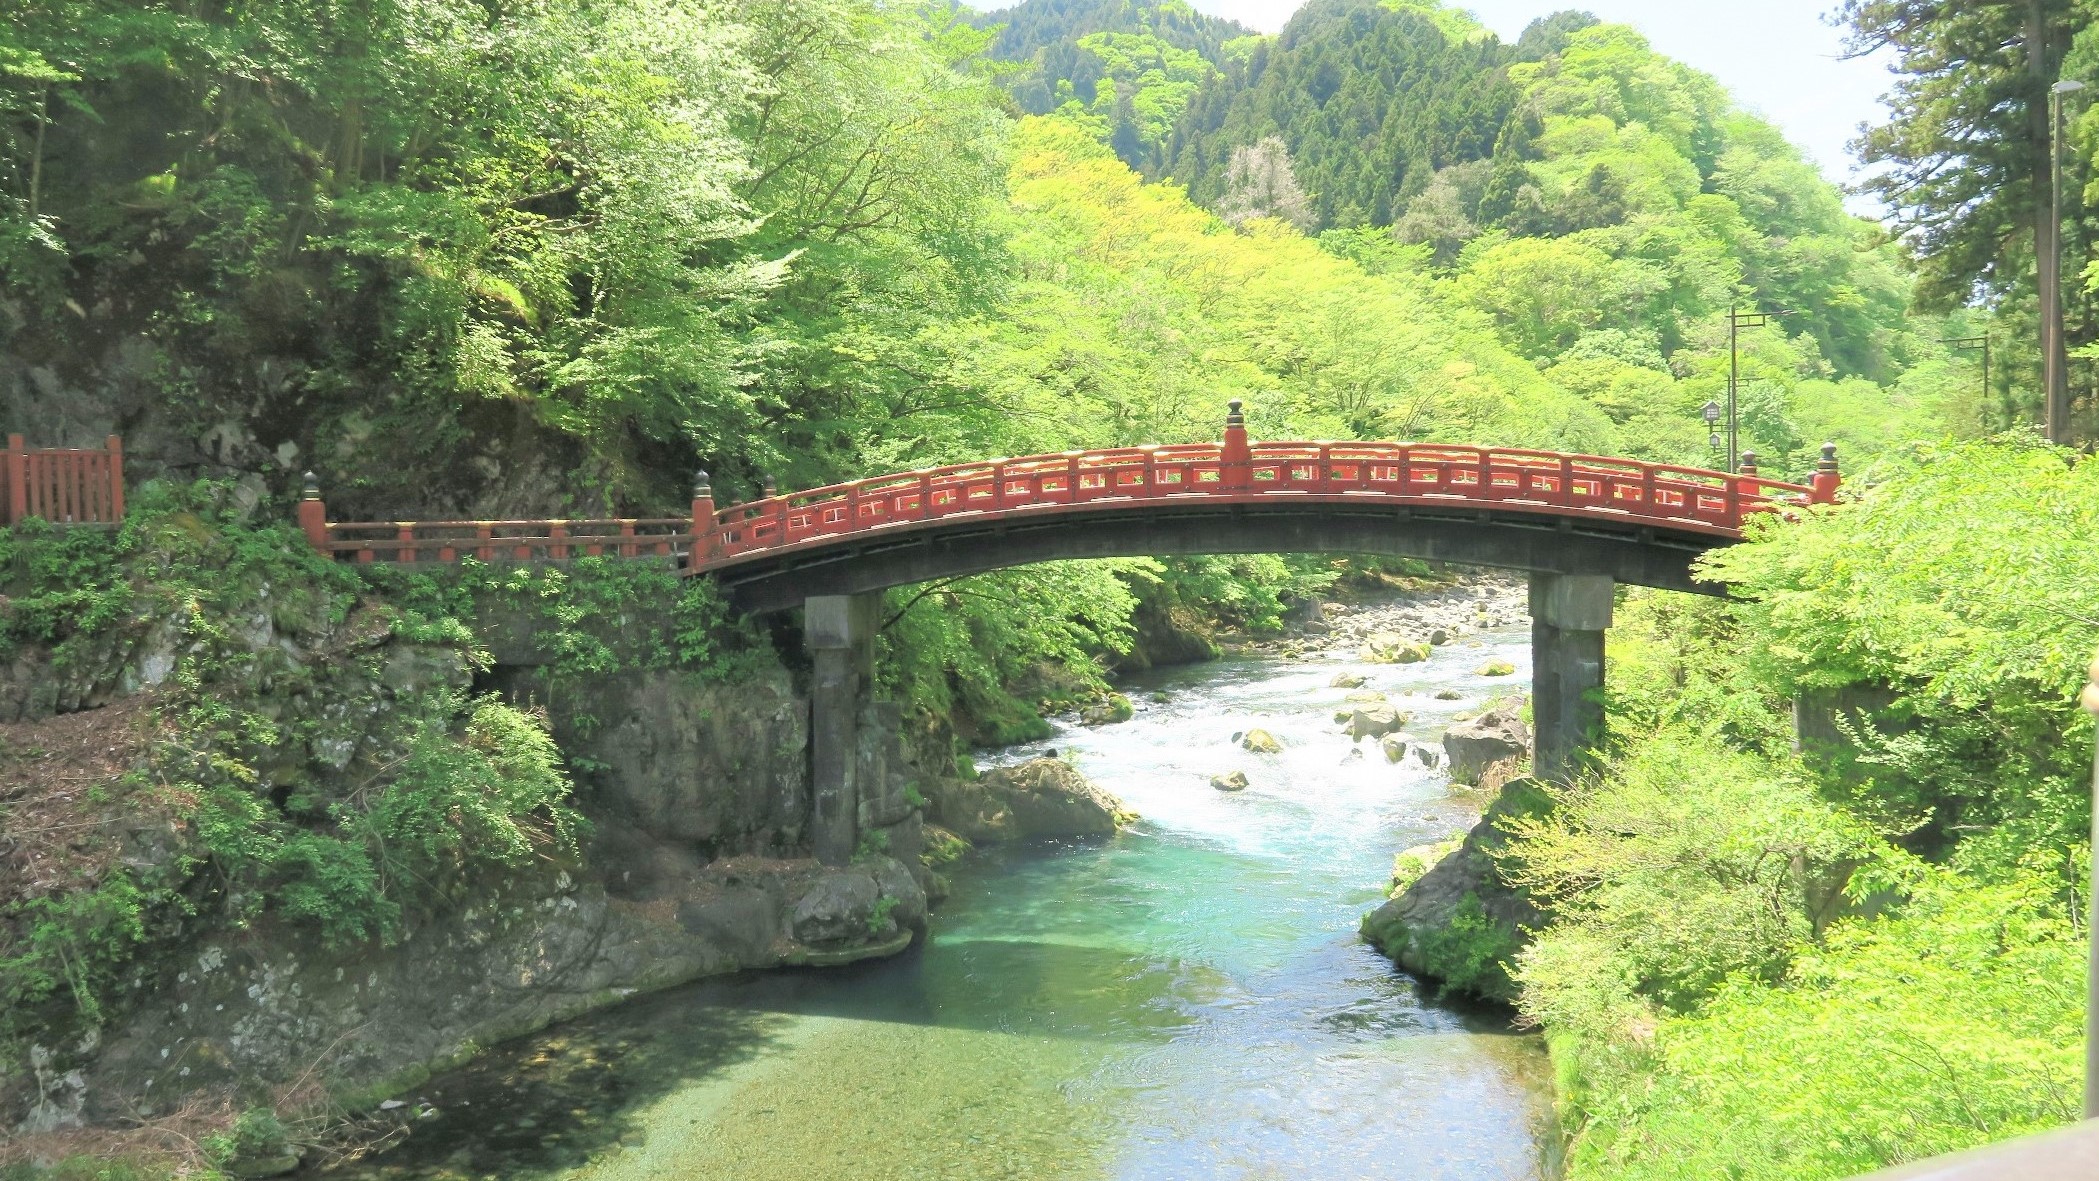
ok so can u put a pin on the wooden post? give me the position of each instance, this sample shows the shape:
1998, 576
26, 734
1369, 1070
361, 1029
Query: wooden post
1236, 472
17, 479
702, 521
1747, 488
313, 514
115, 444
1827, 479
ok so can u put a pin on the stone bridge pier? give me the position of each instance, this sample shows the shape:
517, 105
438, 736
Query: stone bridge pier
839, 631
1569, 615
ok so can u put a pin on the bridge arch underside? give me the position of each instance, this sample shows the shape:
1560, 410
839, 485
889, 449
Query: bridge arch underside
1510, 539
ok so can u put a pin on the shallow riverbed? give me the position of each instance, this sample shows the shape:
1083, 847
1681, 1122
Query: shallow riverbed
1189, 1000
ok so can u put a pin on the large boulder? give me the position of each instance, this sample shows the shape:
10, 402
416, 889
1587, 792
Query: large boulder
1375, 721
1036, 799
1496, 736
1460, 923
1393, 648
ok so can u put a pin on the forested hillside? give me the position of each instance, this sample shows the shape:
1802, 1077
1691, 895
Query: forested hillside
1603, 207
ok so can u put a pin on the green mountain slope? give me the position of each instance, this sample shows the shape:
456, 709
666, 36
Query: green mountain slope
1369, 99
1132, 64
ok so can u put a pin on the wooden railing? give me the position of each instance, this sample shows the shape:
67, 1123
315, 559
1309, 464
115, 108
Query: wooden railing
1544, 482
1511, 479
423, 542
63, 485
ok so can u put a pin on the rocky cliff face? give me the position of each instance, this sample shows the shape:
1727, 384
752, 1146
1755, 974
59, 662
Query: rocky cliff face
697, 796
1460, 923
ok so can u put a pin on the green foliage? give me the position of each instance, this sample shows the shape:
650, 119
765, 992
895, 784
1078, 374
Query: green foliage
1471, 951
954, 648
1956, 1023
878, 918
1744, 975
1961, 583
873, 843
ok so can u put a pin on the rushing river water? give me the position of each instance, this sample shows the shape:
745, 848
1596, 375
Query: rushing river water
1189, 1000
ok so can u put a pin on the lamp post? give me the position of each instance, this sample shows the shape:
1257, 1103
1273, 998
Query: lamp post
1975, 342
1712, 425
1736, 321
2054, 368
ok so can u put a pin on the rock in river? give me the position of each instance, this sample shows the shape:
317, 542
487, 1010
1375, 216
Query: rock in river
1236, 781
1261, 742
1038, 798
1460, 922
1496, 736
1395, 748
1345, 681
1393, 648
1374, 721
1107, 711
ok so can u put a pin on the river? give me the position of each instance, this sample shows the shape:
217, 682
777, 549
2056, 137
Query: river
1189, 1000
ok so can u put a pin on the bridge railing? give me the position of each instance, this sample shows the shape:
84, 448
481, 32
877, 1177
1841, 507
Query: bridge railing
1419, 473
1233, 471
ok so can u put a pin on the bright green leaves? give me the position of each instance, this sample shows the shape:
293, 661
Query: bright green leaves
491, 794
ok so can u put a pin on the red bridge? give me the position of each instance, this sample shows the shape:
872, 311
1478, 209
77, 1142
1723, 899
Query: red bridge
775, 551
1577, 524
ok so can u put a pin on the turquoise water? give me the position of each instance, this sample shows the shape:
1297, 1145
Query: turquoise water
1189, 1000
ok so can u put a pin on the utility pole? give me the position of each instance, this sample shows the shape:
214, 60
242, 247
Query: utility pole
1975, 342
2055, 367
1736, 321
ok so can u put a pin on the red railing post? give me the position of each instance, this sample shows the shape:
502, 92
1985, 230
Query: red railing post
115, 444
702, 520
1746, 488
17, 479
1827, 479
557, 540
313, 514
1235, 469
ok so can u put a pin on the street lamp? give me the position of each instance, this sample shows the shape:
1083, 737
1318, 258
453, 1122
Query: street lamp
1712, 425
1975, 342
2054, 372
1736, 321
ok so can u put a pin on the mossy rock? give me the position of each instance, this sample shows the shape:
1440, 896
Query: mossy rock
1497, 668
1261, 742
1108, 711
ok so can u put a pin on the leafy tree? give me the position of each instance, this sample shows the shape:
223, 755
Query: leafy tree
1261, 183
1966, 154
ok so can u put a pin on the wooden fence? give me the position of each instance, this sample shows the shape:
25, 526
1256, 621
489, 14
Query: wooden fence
64, 485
